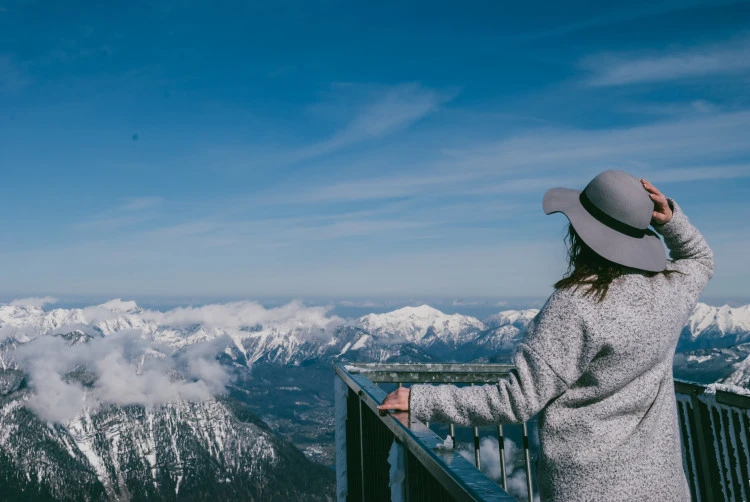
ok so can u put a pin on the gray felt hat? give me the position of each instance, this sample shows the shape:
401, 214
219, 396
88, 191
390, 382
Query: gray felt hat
612, 215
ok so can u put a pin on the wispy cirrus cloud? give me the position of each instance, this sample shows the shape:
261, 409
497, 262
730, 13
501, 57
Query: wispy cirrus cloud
379, 111
132, 211
689, 148
623, 69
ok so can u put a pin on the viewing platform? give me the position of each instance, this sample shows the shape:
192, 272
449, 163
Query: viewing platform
396, 457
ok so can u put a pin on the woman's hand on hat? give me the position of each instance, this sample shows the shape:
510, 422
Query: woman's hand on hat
397, 400
662, 212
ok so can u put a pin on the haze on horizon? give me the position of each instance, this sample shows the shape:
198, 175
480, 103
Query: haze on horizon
284, 149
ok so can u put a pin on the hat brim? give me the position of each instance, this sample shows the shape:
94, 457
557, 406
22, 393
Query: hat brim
644, 253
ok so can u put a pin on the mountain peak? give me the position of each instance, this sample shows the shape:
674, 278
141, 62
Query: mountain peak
722, 326
421, 310
118, 305
414, 323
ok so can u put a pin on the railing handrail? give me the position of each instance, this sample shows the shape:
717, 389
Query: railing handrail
490, 373
723, 396
459, 477
430, 372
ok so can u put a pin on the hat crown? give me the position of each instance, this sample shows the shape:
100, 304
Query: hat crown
621, 196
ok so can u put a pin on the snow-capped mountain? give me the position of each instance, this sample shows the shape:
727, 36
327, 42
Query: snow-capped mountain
296, 333
26, 323
496, 343
209, 450
710, 327
288, 337
424, 326
516, 318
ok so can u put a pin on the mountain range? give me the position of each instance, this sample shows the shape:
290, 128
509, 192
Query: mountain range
296, 334
249, 382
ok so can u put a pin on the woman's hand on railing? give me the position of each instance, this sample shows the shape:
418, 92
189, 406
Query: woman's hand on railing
397, 400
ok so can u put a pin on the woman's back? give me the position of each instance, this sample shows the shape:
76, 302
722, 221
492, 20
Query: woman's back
612, 434
597, 368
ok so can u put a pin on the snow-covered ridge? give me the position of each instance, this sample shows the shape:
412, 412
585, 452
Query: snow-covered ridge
414, 323
290, 333
512, 317
710, 326
296, 332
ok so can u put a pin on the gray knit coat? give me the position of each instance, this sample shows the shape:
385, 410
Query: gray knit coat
600, 377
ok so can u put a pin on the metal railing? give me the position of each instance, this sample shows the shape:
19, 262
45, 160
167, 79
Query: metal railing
396, 457
715, 430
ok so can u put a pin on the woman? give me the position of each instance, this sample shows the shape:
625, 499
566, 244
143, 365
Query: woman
596, 362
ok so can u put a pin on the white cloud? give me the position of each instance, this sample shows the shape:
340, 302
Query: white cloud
33, 302
127, 370
236, 315
385, 187
613, 70
384, 110
689, 148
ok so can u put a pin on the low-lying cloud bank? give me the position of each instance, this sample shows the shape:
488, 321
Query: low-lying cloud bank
113, 353
243, 314
118, 353
123, 369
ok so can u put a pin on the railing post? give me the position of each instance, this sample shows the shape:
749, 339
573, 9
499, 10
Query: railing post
501, 447
527, 455
477, 461
706, 455
361, 450
341, 415
353, 448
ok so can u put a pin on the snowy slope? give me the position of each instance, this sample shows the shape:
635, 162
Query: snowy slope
716, 327
200, 451
415, 324
518, 318
26, 323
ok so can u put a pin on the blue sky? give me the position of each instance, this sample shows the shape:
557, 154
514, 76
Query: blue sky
250, 149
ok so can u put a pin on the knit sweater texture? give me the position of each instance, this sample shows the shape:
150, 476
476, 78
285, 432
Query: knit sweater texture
599, 374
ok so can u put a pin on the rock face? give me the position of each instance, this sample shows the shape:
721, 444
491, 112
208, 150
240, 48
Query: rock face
195, 451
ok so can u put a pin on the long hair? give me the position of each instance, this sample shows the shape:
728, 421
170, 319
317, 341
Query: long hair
587, 269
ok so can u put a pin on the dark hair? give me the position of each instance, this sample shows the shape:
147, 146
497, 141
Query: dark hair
587, 268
